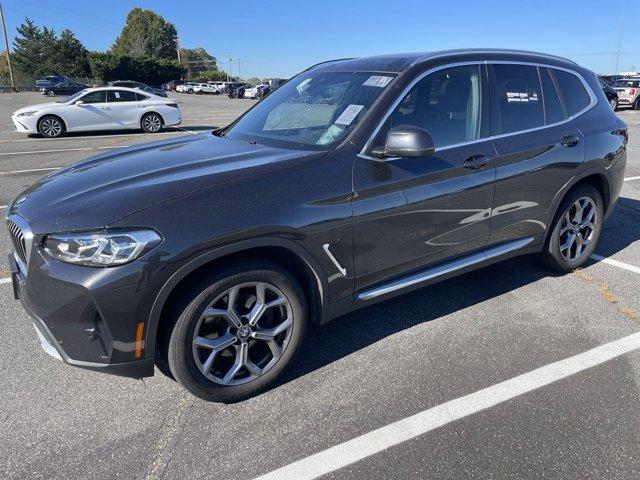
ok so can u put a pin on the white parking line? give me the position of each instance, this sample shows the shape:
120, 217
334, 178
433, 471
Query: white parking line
398, 432
616, 263
46, 169
2, 207
628, 179
5, 280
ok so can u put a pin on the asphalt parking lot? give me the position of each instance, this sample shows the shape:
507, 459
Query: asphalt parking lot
370, 378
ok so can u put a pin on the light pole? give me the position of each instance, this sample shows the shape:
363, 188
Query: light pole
624, 11
229, 69
6, 47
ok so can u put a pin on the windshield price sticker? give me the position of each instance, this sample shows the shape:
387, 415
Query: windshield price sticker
377, 81
349, 114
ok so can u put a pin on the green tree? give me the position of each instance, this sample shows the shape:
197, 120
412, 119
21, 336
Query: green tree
210, 76
50, 55
147, 35
108, 67
197, 60
73, 57
27, 48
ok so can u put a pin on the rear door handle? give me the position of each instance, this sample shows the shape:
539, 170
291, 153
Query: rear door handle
569, 141
475, 162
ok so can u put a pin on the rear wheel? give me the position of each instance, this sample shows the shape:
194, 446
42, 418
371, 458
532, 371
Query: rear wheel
50, 127
636, 105
239, 333
151, 122
576, 230
51, 93
614, 103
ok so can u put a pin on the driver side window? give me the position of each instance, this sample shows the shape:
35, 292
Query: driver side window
94, 97
446, 103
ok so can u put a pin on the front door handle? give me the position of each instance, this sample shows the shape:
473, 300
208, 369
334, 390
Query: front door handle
569, 141
475, 162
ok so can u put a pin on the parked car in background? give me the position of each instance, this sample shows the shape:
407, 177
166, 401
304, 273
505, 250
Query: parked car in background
356, 181
141, 86
610, 92
64, 88
105, 108
257, 91
628, 90
612, 78
238, 91
171, 85
230, 86
203, 88
51, 80
186, 87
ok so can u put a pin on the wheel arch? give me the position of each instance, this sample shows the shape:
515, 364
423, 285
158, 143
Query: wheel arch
289, 255
42, 117
147, 113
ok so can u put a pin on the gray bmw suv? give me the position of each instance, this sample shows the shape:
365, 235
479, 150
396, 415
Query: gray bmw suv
210, 255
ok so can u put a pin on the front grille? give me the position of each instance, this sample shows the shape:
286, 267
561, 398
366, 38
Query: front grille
19, 241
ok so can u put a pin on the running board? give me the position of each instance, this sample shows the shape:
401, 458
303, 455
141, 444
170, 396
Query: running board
443, 269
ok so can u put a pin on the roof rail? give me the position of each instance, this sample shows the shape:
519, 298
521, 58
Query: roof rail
444, 53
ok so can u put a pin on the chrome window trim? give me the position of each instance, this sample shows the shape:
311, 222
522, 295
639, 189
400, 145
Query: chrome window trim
368, 144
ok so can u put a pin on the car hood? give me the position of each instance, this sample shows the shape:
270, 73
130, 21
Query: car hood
101, 190
38, 107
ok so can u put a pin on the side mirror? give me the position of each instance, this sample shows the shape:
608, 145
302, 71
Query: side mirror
78, 103
406, 141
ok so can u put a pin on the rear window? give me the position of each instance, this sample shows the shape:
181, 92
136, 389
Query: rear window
575, 96
519, 97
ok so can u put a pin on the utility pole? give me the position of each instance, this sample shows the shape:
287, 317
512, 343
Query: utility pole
178, 47
229, 69
624, 10
6, 46
239, 76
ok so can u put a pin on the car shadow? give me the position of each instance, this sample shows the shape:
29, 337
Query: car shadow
355, 331
115, 133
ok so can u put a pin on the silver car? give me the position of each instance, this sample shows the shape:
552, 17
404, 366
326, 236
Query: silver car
628, 92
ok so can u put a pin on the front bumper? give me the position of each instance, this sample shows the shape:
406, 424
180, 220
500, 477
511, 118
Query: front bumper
25, 124
78, 321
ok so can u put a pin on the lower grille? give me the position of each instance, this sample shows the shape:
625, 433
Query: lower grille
19, 242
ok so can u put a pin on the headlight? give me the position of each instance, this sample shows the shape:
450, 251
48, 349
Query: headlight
27, 114
101, 249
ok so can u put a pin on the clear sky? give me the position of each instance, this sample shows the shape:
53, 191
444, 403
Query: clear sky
281, 37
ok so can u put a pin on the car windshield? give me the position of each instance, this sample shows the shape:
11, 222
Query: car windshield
314, 111
71, 98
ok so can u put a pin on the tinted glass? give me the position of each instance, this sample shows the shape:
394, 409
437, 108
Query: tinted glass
445, 103
552, 106
120, 96
519, 97
140, 96
627, 84
573, 93
314, 111
94, 97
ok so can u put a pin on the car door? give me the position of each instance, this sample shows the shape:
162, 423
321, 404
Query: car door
538, 148
413, 212
124, 108
89, 112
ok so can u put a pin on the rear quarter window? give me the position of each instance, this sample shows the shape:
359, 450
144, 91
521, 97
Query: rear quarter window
574, 94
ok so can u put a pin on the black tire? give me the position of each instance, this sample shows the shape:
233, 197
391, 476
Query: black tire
151, 122
636, 106
551, 256
51, 93
614, 103
180, 352
50, 126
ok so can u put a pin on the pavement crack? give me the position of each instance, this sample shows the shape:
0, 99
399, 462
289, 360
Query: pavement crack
170, 431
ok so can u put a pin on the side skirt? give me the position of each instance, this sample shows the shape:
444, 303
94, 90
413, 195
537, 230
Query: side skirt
446, 269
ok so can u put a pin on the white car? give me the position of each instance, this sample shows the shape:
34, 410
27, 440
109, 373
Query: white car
201, 88
106, 108
253, 91
186, 87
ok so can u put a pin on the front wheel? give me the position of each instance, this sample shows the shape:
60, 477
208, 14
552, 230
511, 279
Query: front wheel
151, 123
50, 127
636, 105
51, 93
239, 333
614, 103
576, 230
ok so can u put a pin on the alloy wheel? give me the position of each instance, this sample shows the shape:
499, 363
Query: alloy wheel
51, 93
243, 333
613, 103
51, 127
152, 123
578, 228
